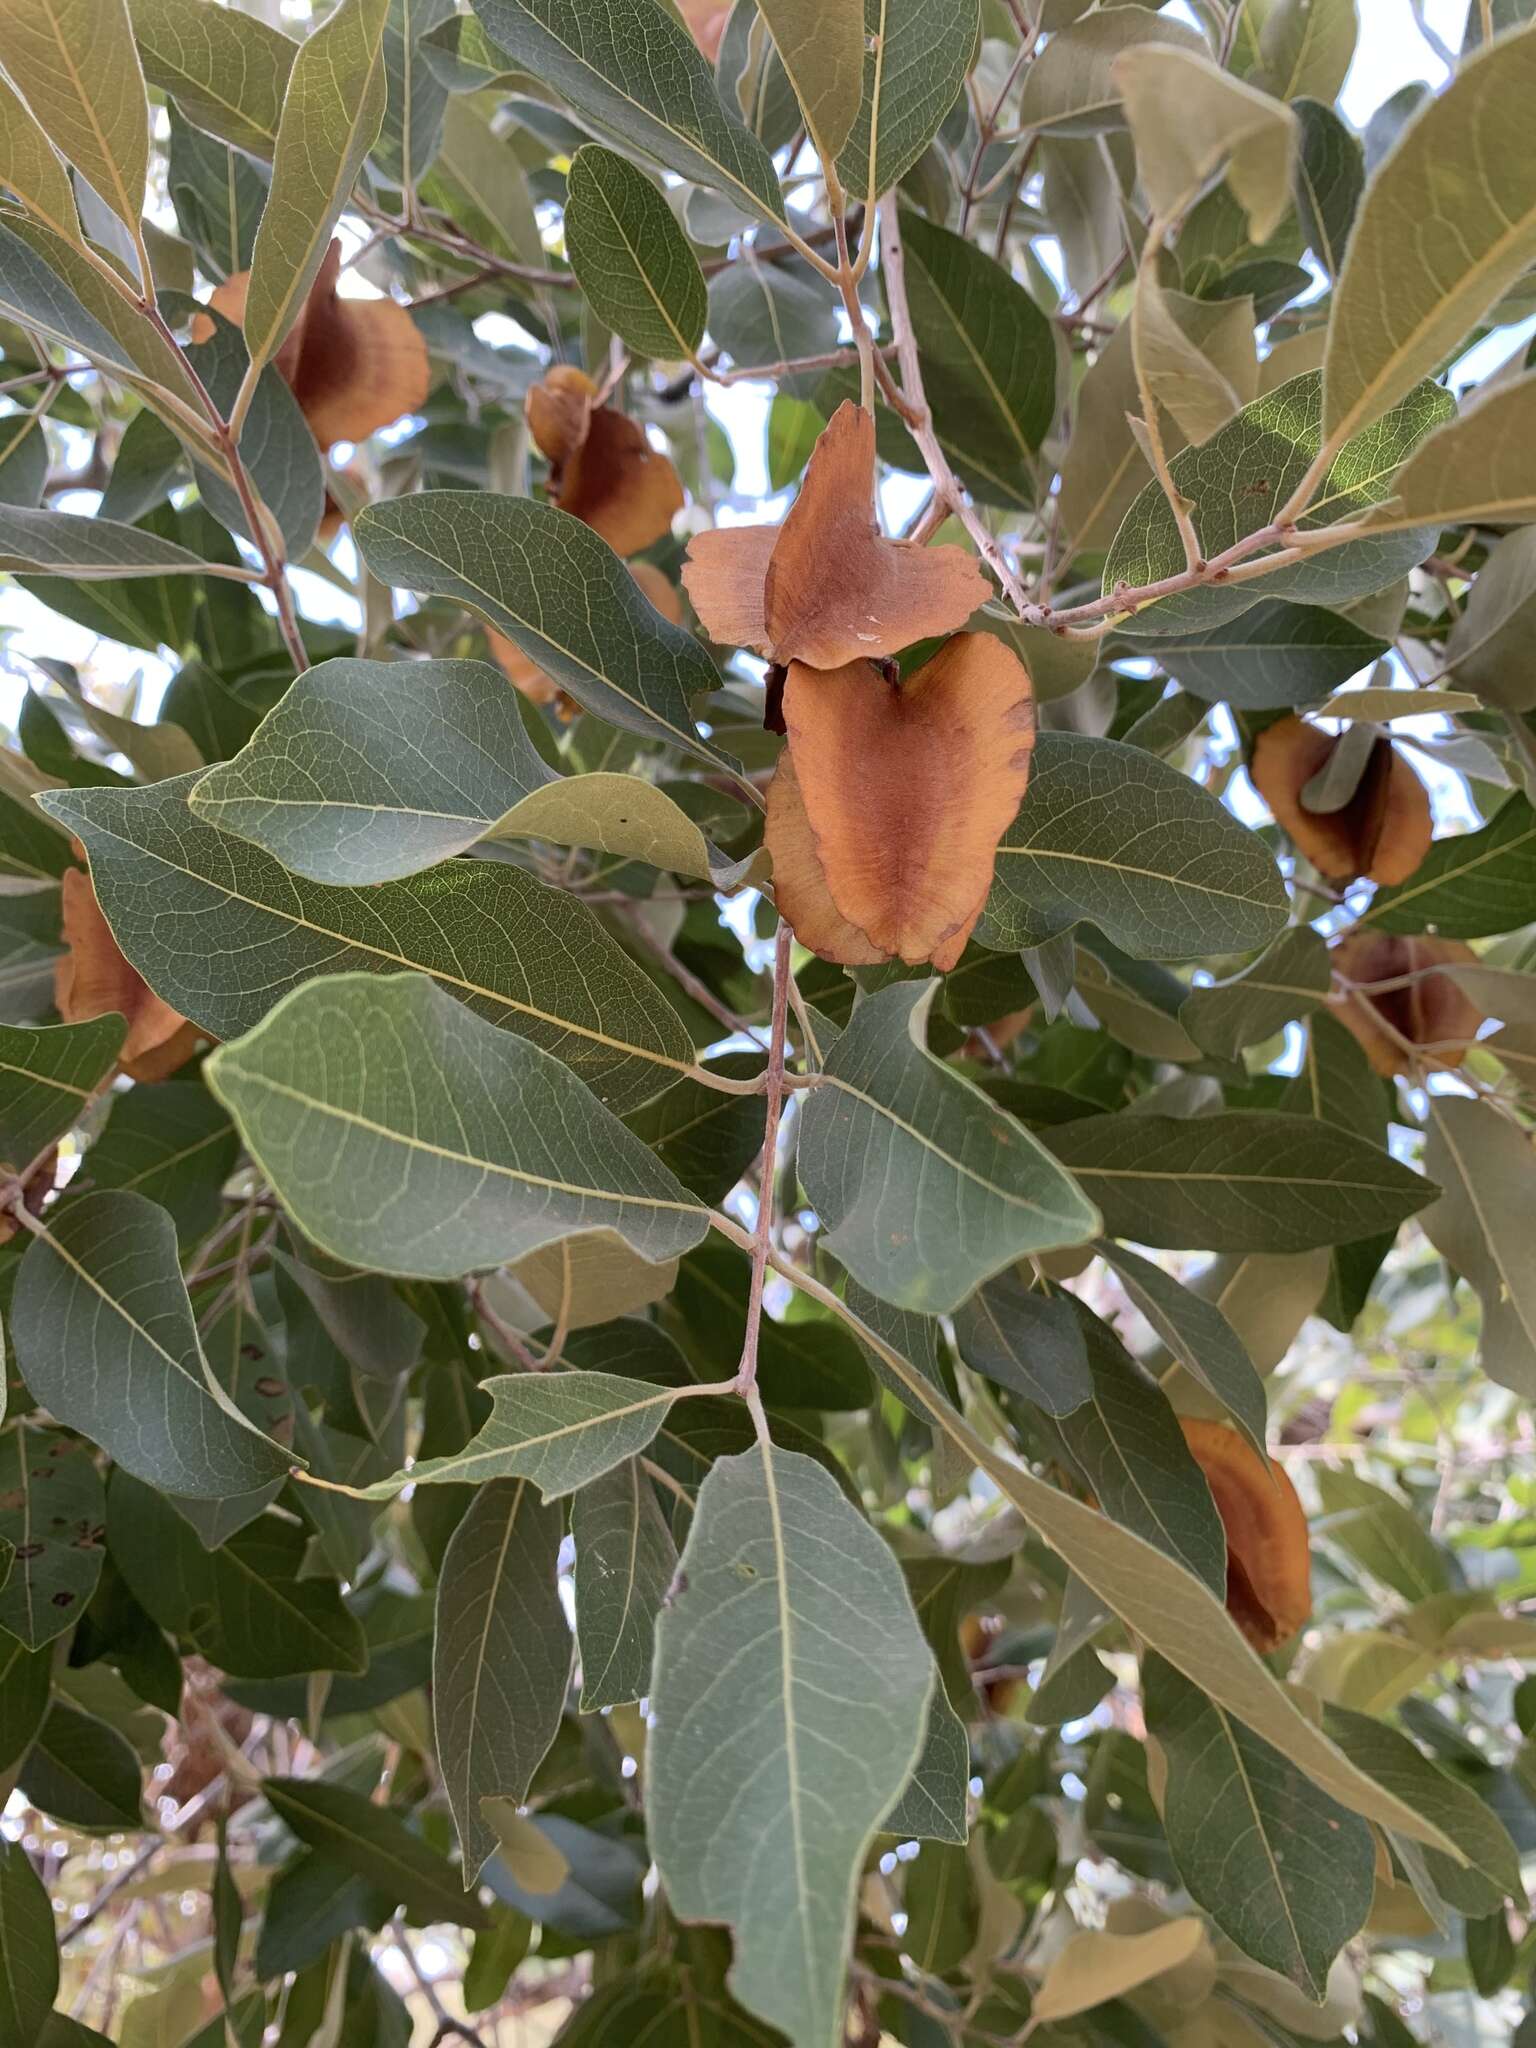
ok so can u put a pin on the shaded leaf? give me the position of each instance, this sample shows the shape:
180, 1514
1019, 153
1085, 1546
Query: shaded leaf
625, 1561
30, 1977
83, 1773
502, 1656
1028, 1342
105, 1336
1287, 981
1239, 1180
68, 544
373, 1843
1274, 655
1280, 1866
1487, 1176
916, 53
51, 1509
47, 1076
1469, 884
1198, 1335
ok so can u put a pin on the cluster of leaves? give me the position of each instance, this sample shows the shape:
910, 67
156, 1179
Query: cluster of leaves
590, 1365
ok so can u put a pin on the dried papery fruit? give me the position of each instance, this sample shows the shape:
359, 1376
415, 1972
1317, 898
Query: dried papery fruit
1433, 1013
526, 675
93, 977
1381, 832
826, 588
908, 785
799, 884
602, 469
1269, 1564
705, 21
354, 365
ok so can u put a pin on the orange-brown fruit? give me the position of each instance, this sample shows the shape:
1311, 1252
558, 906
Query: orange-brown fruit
705, 21
525, 674
906, 787
354, 365
1269, 1563
1432, 1012
93, 977
799, 884
602, 469
1384, 829
826, 588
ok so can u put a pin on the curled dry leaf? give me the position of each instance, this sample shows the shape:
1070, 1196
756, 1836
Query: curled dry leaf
93, 977
1269, 1564
354, 365
1431, 1013
826, 588
602, 469
1381, 832
526, 675
906, 787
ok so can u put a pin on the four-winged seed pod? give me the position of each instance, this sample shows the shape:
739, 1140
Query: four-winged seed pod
1350, 803
894, 788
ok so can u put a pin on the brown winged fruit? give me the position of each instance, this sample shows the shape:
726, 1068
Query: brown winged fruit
1269, 1566
826, 588
1432, 1012
1381, 832
887, 807
354, 365
602, 469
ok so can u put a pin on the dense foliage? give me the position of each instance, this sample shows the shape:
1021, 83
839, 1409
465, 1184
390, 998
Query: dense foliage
768, 1225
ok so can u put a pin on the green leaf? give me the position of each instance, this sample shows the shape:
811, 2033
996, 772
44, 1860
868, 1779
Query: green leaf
1170, 1609
416, 98
1238, 1180
105, 1338
559, 1429
1330, 177
1281, 1867
707, 1139
276, 446
31, 167
1070, 89
246, 1606
226, 70
479, 176
373, 1842
491, 1147
51, 1509
29, 1957
933, 1804
502, 1657
1492, 644
83, 1773
625, 1561
1110, 835
1461, 193
512, 950
1469, 884
1239, 479
1188, 117
47, 1076
769, 1768
1288, 980
1478, 466
917, 53
69, 544
23, 459
1272, 656
332, 113
367, 771
994, 351
1491, 1871
24, 1685
1198, 1335
1487, 1176
821, 46
1304, 46
1030, 1343
632, 69
925, 1189
943, 1910
550, 584
767, 313
631, 258
1126, 1442
75, 64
